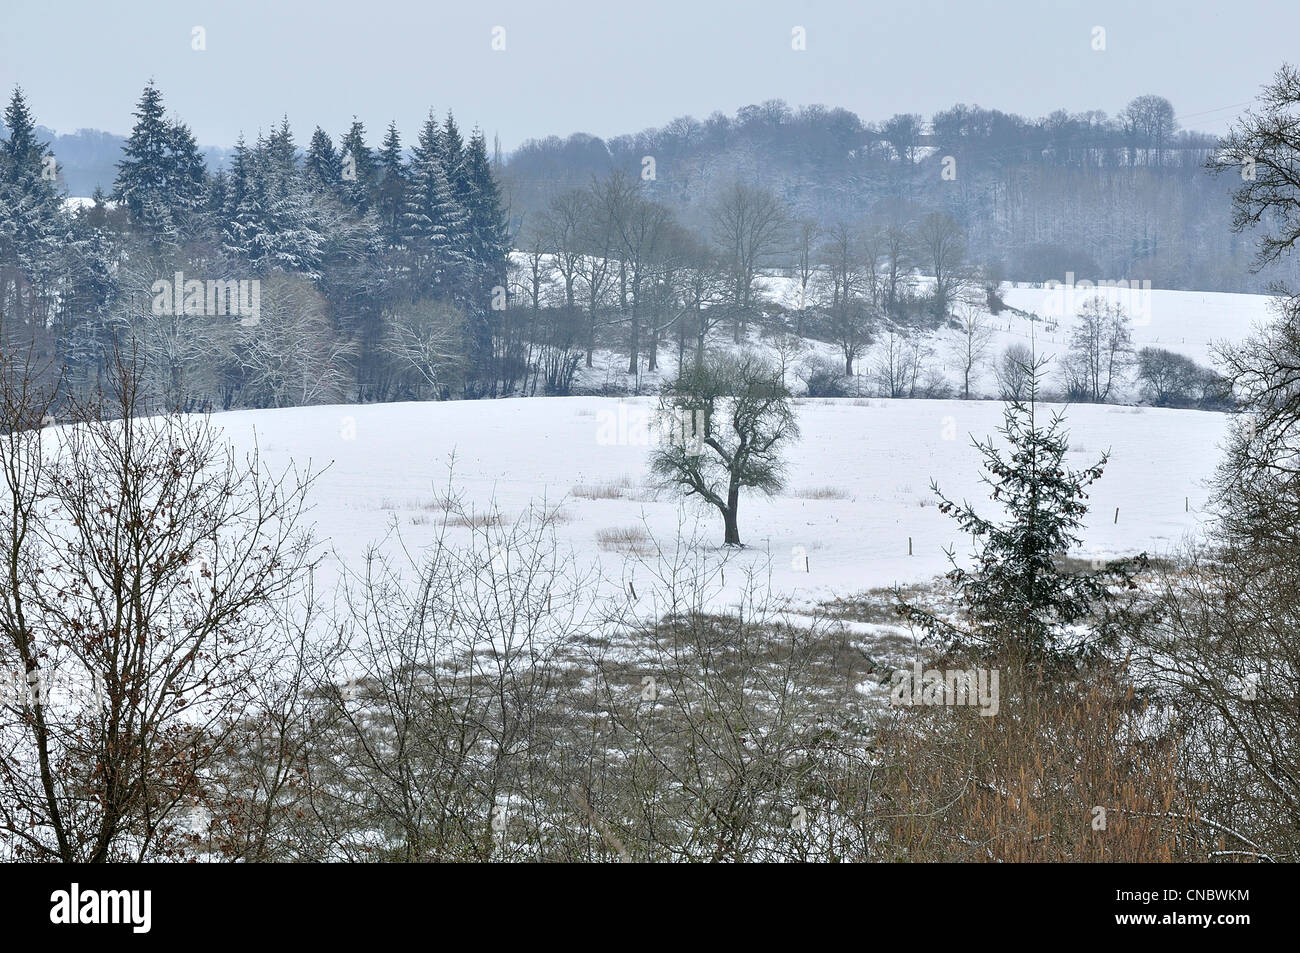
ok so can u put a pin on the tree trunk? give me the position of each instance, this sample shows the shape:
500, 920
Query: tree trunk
729, 516
732, 530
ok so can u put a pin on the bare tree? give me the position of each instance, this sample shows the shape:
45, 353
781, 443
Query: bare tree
563, 223
595, 267
704, 290
1266, 144
291, 356
901, 364
143, 559
895, 274
1101, 350
849, 308
941, 243
806, 247
748, 226
727, 424
536, 271
638, 226
1012, 372
426, 339
1151, 124
974, 338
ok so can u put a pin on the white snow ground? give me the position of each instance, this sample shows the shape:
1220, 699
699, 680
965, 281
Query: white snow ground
871, 461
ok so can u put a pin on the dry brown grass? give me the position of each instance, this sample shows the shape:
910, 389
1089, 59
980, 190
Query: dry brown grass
629, 540
611, 490
820, 493
475, 520
1026, 785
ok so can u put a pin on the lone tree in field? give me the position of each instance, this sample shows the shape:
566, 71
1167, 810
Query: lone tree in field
726, 423
1021, 596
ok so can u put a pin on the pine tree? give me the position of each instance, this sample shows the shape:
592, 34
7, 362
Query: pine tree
186, 179
489, 241
1021, 596
282, 152
162, 178
85, 339
245, 200
434, 224
489, 247
21, 155
31, 217
97, 214
359, 171
142, 174
392, 186
276, 221
322, 164
216, 195
453, 156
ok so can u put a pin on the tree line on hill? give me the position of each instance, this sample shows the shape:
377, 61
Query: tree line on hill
385, 274
1122, 196
368, 265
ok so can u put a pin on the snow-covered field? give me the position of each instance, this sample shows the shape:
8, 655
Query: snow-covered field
1190, 323
858, 484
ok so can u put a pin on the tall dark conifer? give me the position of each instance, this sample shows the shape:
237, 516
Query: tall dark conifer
392, 186
1021, 597
359, 170
322, 165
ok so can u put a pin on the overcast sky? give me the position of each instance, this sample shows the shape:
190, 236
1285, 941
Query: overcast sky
620, 66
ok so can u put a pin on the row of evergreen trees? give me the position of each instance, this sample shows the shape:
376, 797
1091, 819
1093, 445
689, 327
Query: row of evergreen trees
379, 234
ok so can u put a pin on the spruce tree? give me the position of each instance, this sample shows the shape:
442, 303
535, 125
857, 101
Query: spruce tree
277, 222
186, 179
434, 224
31, 216
392, 186
21, 155
359, 170
245, 215
1021, 597
162, 178
489, 241
322, 164
237, 209
282, 152
453, 156
142, 173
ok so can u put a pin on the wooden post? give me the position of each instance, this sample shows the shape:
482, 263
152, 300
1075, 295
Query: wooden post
909, 545
1117, 515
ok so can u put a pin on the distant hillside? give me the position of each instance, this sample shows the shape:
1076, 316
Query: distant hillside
1126, 197
1122, 198
88, 157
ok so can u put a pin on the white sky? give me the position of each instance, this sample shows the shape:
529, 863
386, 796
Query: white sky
617, 66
